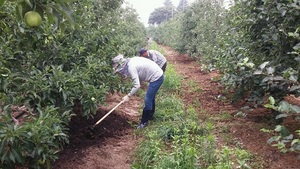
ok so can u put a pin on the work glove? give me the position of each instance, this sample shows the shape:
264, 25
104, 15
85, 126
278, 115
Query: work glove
126, 98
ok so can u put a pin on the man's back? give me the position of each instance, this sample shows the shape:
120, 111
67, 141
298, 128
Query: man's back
157, 57
144, 69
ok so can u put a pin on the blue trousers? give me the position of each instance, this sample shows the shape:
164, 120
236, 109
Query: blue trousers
150, 98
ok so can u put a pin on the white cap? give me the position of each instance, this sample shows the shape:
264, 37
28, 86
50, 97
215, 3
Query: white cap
118, 62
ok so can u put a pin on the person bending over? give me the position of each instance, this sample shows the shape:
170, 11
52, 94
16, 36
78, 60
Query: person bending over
140, 69
155, 56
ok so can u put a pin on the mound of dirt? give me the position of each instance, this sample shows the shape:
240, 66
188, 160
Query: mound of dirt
109, 145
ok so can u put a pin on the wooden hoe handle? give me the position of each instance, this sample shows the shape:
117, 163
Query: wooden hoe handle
108, 113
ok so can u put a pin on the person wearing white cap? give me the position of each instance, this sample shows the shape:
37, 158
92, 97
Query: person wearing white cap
141, 69
155, 56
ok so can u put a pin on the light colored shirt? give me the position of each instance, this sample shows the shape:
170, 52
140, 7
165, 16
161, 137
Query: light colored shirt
157, 57
142, 69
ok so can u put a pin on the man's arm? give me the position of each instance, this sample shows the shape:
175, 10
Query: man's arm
136, 81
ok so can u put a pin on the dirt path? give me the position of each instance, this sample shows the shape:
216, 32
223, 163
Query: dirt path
245, 130
114, 141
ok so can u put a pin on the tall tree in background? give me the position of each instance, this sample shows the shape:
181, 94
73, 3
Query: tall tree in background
168, 3
182, 5
162, 14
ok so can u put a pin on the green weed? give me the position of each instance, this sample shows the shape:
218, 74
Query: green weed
172, 82
176, 140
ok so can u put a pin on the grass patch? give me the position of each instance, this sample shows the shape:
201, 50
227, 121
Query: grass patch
172, 82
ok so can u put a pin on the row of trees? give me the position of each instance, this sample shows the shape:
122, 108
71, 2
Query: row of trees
55, 60
255, 44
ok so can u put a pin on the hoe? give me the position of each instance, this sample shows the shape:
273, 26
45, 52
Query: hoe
92, 128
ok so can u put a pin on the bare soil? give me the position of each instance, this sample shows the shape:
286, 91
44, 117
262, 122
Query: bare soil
114, 141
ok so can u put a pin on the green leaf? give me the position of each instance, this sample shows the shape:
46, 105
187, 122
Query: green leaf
1, 2
52, 18
284, 106
29, 3
11, 157
284, 132
295, 87
65, 11
289, 137
278, 128
258, 72
265, 130
272, 100
60, 134
290, 34
263, 65
270, 70
3, 144
281, 116
295, 109
64, 96
17, 155
272, 139
22, 8
62, 26
295, 141
269, 106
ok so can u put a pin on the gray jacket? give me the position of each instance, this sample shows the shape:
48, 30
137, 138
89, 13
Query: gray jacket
142, 69
157, 57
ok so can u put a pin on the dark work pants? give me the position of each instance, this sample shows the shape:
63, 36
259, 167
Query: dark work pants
150, 99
